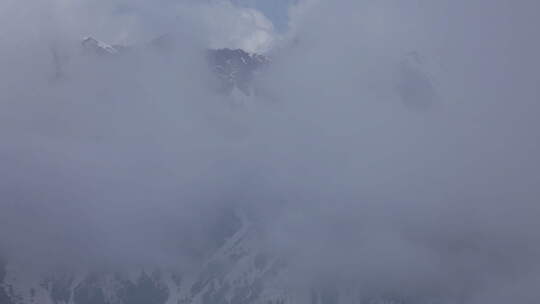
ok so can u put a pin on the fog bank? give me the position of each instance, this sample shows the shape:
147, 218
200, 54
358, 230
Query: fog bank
393, 149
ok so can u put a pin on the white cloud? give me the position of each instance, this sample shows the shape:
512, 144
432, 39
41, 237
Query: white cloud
237, 27
216, 24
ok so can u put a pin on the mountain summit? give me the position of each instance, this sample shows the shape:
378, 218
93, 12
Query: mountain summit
234, 68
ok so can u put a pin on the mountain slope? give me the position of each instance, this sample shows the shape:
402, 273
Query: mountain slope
237, 272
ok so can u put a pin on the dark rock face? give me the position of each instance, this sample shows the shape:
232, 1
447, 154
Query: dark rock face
2, 269
89, 292
4, 297
146, 290
235, 68
107, 289
325, 295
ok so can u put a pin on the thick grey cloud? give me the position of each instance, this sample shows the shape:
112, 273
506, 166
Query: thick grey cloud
126, 161
412, 201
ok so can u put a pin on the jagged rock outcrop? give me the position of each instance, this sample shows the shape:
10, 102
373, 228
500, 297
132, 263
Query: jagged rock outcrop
234, 69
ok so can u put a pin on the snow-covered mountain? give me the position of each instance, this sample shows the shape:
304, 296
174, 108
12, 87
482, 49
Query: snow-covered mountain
238, 271
414, 79
90, 44
234, 69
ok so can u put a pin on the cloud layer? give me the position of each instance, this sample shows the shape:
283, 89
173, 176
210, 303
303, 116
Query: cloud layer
129, 161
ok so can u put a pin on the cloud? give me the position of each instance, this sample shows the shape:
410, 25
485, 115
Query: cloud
129, 161
112, 160
237, 27
412, 202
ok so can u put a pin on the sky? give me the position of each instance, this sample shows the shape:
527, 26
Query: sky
393, 146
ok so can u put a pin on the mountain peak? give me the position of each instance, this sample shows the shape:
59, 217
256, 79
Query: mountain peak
92, 44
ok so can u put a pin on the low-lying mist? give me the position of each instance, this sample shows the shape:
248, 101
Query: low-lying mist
353, 175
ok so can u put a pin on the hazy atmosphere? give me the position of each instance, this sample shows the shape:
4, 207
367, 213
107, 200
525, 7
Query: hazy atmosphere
361, 151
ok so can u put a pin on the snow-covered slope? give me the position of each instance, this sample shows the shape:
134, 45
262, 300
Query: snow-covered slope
92, 45
237, 272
